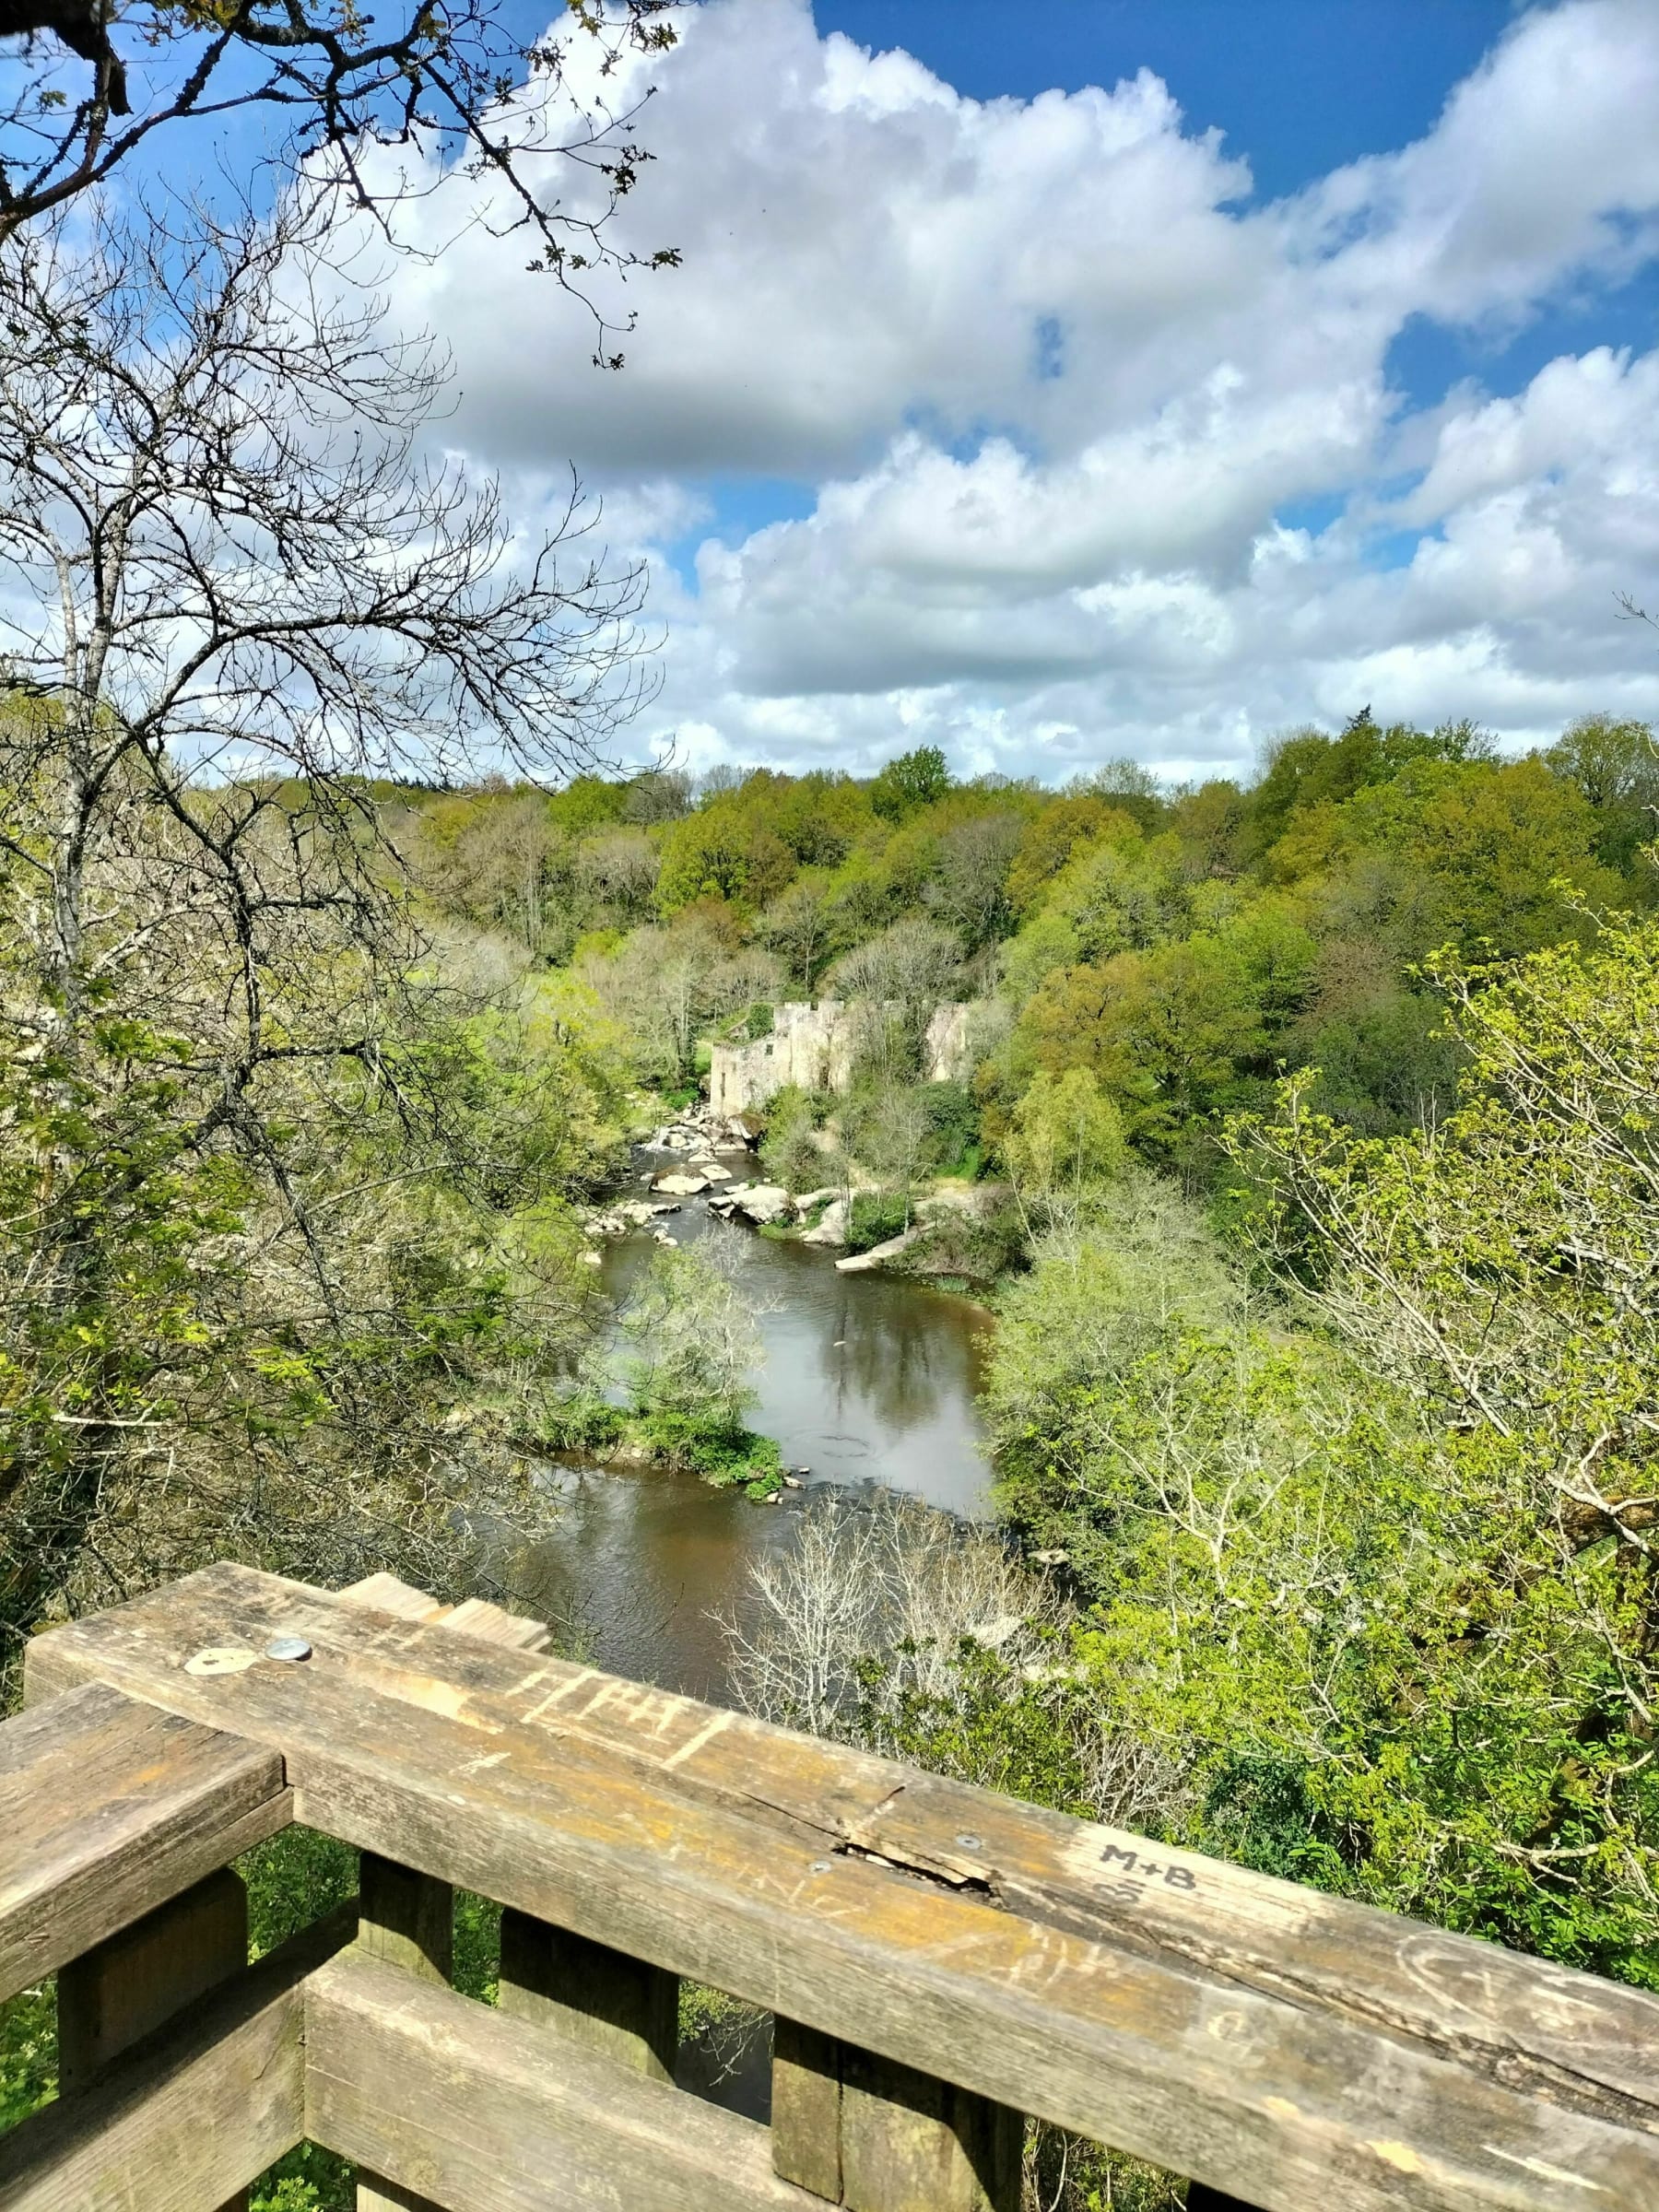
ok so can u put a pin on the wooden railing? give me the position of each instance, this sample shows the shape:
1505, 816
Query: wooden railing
938, 1960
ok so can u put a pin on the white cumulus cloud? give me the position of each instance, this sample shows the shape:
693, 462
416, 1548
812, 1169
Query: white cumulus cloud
1100, 453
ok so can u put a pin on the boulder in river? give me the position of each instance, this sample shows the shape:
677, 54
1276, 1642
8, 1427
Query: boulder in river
763, 1202
830, 1227
856, 1263
681, 1186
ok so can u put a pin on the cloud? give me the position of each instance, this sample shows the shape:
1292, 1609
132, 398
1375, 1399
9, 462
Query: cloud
1103, 453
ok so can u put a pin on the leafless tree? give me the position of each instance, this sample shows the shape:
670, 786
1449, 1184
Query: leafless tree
659, 794
451, 80
231, 593
970, 889
798, 925
867, 1611
897, 979
617, 871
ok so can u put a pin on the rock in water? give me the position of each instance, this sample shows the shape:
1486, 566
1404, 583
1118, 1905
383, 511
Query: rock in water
762, 1201
681, 1186
857, 1262
832, 1228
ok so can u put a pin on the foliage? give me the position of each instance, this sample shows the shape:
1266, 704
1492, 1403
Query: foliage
28, 2053
952, 1118
979, 1245
693, 1336
1306, 769
873, 1219
689, 1346
790, 1155
1497, 1271
1614, 766
1372, 1575
663, 988
725, 1453
914, 780
1183, 949
1066, 1139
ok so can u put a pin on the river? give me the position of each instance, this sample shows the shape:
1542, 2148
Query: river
866, 1380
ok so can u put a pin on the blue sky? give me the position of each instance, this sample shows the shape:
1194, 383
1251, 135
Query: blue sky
1116, 376
1298, 87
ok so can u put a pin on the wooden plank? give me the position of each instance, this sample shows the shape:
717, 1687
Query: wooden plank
880, 2137
471, 1616
912, 2143
806, 2108
112, 1997
614, 2004
470, 2110
405, 1740
1524, 2021
188, 2116
477, 1617
404, 1918
408, 1919
406, 1923
108, 1807
386, 1593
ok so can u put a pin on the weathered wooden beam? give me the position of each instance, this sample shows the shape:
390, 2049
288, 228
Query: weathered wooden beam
189, 2115
807, 2108
406, 1921
473, 1616
912, 2143
113, 1996
445, 1752
108, 1807
596, 1995
467, 2109
880, 2137
1524, 2021
408, 1918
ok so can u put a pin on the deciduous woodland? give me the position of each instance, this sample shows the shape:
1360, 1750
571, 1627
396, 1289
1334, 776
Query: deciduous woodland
1299, 1133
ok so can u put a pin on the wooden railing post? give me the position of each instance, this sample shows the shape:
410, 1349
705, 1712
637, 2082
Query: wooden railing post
878, 2136
145, 1974
406, 1919
603, 1998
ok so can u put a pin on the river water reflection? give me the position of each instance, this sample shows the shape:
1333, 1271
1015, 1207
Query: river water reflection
867, 1380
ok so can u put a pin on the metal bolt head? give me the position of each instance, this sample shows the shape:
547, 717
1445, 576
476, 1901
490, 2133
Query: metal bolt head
972, 1842
287, 1647
820, 1867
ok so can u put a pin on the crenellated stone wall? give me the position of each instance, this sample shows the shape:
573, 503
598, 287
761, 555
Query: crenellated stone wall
812, 1045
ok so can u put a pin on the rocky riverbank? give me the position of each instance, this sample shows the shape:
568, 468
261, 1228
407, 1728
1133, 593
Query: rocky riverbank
708, 1155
